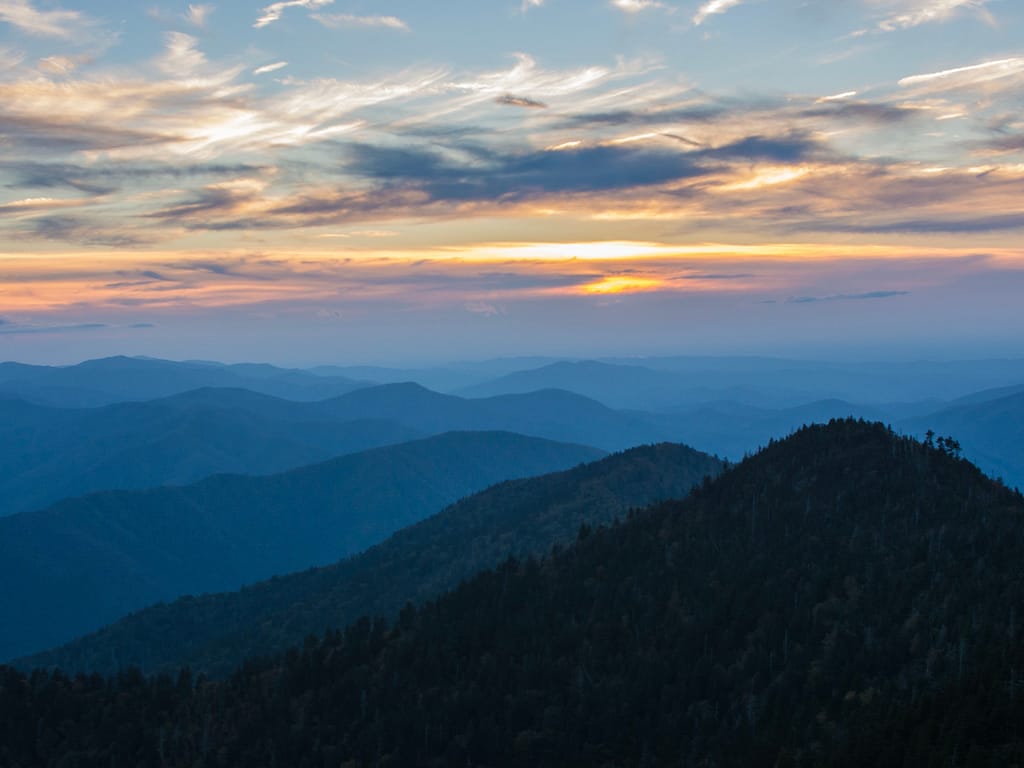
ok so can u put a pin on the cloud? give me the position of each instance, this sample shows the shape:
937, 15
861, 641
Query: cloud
198, 14
107, 178
272, 12
32, 205
918, 12
938, 224
267, 68
60, 65
519, 101
528, 4
712, 7
14, 329
83, 232
182, 56
846, 297
58, 23
484, 308
635, 6
521, 176
967, 76
336, 20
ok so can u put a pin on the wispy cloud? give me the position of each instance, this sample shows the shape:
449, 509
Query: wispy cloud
918, 12
338, 20
197, 15
267, 68
57, 23
711, 7
969, 75
528, 4
635, 6
272, 12
15, 329
520, 101
846, 297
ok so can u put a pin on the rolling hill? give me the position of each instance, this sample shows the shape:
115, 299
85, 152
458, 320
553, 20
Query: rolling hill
85, 562
213, 634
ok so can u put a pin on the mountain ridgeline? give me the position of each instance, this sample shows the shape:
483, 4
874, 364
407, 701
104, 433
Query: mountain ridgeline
213, 634
85, 562
48, 454
112, 380
845, 597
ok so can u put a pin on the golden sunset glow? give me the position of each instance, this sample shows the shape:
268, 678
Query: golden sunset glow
168, 163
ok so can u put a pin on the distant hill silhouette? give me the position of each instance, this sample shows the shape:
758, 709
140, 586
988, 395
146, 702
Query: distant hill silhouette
731, 429
213, 634
85, 562
48, 454
991, 432
846, 597
672, 383
552, 413
118, 379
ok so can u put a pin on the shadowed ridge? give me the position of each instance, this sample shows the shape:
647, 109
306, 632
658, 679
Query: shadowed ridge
214, 633
85, 562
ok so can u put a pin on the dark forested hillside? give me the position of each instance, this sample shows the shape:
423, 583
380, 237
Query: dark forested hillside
85, 562
212, 634
844, 598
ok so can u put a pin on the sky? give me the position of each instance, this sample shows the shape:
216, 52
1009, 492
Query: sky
394, 181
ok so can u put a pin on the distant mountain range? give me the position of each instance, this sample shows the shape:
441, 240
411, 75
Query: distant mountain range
118, 379
213, 634
48, 454
667, 384
845, 597
85, 562
991, 432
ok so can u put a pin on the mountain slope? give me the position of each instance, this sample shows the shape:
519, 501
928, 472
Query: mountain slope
846, 597
85, 562
214, 633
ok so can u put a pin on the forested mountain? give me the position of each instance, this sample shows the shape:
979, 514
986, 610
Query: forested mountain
846, 597
213, 634
49, 454
85, 562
